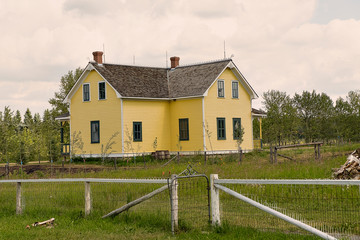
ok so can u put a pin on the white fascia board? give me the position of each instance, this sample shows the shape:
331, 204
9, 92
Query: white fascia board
244, 82
78, 83
146, 98
258, 115
207, 90
161, 99
118, 95
63, 118
199, 96
81, 79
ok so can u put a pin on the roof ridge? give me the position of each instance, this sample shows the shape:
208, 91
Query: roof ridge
180, 66
205, 62
128, 65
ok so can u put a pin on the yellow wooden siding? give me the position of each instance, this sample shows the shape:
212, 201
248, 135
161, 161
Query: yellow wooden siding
107, 112
191, 109
227, 108
154, 116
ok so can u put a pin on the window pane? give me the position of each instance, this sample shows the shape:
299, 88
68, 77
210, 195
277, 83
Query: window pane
95, 132
220, 88
221, 130
102, 90
235, 89
86, 92
137, 131
184, 129
236, 127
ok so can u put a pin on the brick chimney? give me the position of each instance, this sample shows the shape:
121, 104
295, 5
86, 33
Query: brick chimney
174, 62
98, 57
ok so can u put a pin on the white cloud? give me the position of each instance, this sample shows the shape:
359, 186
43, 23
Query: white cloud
275, 44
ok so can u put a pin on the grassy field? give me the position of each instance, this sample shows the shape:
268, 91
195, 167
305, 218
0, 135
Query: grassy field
119, 228
137, 224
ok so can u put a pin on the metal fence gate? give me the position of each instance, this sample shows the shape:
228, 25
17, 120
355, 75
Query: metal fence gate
189, 200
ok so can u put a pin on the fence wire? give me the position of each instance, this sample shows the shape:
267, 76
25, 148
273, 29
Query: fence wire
333, 209
52, 199
66, 197
193, 208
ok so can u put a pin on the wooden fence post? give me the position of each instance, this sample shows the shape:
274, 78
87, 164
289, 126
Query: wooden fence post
174, 204
178, 157
215, 201
205, 157
271, 154
275, 155
18, 198
240, 155
87, 198
144, 160
319, 156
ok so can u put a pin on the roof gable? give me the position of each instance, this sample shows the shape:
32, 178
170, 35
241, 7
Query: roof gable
162, 83
194, 80
81, 79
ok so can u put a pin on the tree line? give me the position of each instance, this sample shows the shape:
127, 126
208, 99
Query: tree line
28, 138
310, 117
34, 137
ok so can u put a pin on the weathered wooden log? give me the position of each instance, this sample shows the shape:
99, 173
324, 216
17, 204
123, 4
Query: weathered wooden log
168, 161
286, 157
135, 202
47, 222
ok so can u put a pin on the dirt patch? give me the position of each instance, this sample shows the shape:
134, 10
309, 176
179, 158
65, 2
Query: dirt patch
47, 168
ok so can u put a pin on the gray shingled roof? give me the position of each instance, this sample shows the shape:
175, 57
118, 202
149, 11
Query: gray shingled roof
133, 81
149, 82
258, 111
194, 80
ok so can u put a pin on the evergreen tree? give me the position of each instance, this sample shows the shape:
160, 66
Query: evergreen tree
28, 119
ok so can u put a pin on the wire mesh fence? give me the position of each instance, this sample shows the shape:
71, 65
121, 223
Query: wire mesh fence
331, 206
333, 209
48, 198
54, 197
193, 207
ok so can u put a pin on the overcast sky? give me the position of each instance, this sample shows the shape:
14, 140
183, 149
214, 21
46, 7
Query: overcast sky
287, 45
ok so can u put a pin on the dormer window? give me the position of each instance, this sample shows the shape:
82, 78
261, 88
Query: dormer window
86, 92
102, 90
221, 88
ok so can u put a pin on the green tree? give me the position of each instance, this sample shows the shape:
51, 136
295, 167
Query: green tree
67, 81
343, 120
28, 119
7, 131
315, 113
50, 134
281, 123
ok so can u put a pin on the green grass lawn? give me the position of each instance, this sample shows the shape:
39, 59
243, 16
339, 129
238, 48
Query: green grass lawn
73, 225
66, 227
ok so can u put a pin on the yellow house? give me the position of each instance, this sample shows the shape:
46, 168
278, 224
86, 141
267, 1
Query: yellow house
137, 109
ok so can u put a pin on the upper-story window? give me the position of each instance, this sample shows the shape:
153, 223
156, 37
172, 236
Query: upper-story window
221, 88
102, 90
235, 89
86, 92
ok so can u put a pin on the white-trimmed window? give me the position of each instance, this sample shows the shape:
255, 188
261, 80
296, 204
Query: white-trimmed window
95, 131
86, 92
102, 90
221, 88
235, 89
